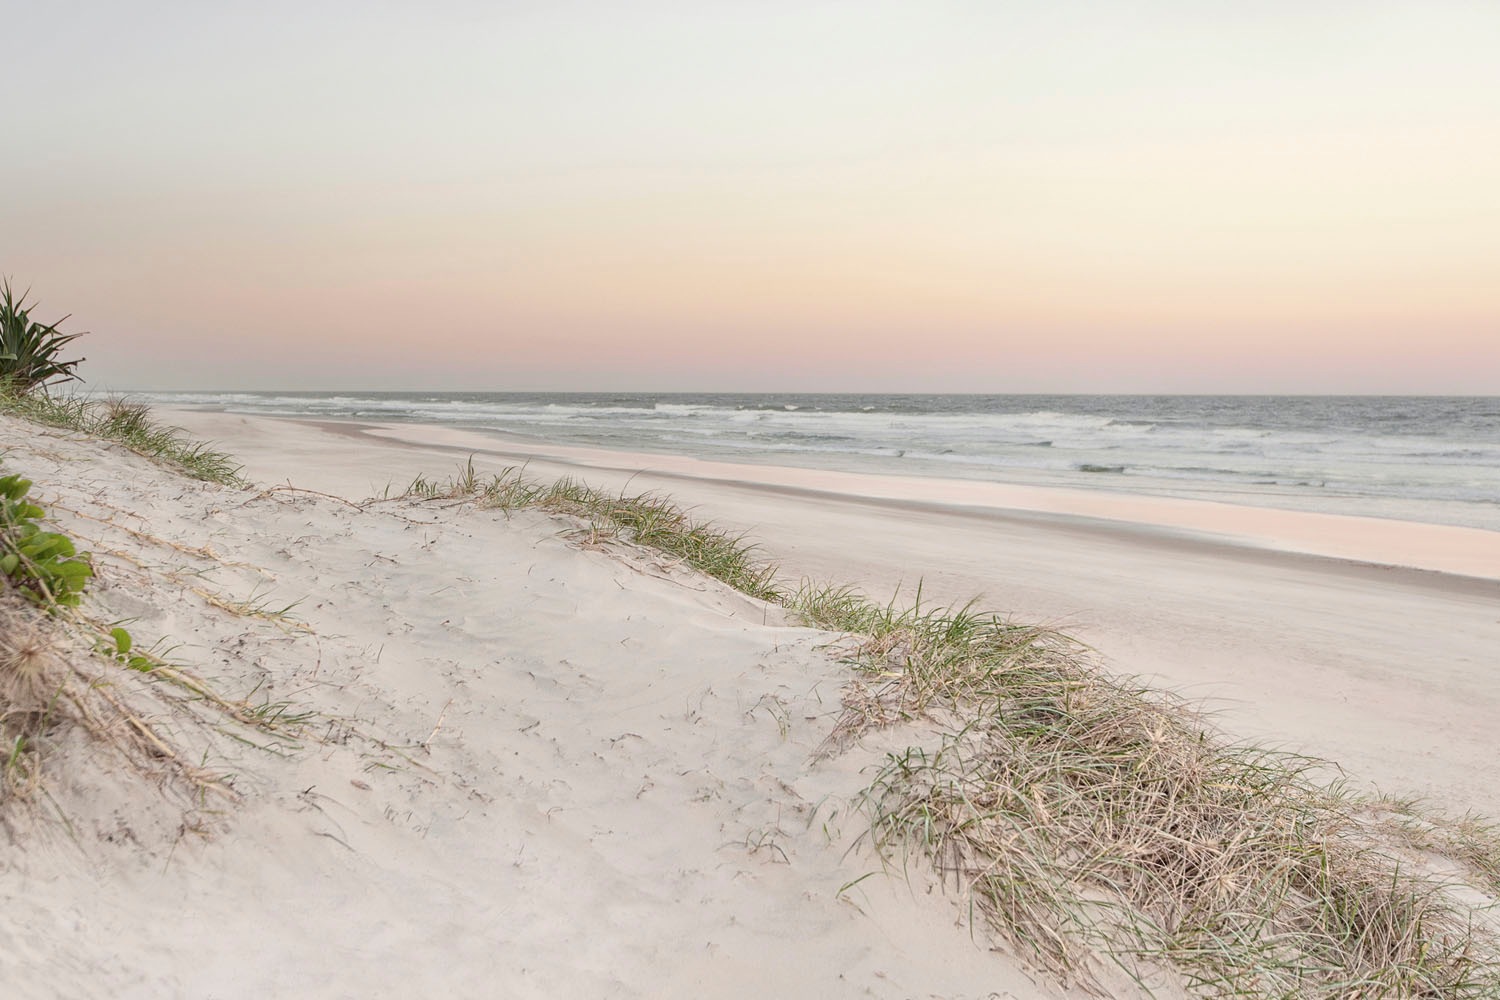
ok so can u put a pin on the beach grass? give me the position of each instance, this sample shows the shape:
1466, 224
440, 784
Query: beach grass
1097, 823
649, 519
127, 423
1091, 817
31, 676
56, 659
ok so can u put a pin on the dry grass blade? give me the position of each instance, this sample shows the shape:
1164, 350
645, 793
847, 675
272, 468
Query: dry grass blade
31, 677
127, 423
1094, 819
648, 519
45, 686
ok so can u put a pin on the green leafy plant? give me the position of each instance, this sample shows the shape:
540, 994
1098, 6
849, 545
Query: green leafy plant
31, 351
118, 647
43, 565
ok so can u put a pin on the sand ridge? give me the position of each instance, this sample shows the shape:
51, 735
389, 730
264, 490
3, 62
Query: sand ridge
538, 766
1387, 669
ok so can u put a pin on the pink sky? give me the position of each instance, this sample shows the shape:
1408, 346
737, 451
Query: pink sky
839, 197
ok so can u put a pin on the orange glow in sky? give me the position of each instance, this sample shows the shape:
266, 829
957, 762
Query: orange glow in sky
899, 197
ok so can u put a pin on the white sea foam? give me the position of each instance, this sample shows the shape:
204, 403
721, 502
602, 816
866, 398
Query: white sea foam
1429, 458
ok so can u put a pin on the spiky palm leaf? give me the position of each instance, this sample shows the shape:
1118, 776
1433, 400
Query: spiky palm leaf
30, 351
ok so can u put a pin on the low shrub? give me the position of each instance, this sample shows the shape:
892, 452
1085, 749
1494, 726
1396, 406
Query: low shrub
31, 351
43, 566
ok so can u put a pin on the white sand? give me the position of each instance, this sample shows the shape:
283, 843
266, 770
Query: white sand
1369, 642
542, 769
603, 786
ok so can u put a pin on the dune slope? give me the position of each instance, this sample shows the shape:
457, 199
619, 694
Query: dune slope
487, 754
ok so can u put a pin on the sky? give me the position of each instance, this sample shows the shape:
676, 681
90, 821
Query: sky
761, 196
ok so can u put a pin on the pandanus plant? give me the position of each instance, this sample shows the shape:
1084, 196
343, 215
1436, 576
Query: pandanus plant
30, 351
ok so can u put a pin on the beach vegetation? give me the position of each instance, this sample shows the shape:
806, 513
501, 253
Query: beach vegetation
49, 680
42, 566
31, 362
1091, 818
127, 423
41, 574
47, 675
256, 606
648, 519
1102, 826
118, 644
31, 680
31, 352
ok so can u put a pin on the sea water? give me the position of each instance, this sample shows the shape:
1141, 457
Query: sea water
1426, 458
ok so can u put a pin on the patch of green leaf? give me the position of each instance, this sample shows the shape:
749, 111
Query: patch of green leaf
118, 648
44, 566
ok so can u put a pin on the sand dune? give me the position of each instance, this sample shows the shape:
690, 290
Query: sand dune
539, 763
537, 767
1368, 642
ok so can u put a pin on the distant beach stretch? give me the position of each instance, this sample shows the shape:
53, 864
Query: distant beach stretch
1422, 458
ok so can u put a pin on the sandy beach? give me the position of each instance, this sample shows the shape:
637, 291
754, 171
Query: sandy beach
1367, 642
537, 767
538, 763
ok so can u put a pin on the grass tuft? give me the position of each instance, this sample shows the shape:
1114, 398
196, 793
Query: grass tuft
648, 519
48, 679
124, 422
1089, 817
31, 676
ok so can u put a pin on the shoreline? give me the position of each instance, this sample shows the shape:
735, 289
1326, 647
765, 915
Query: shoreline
1402, 466
1161, 533
1379, 543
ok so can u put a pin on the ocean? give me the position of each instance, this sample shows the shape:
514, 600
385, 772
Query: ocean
1423, 458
